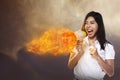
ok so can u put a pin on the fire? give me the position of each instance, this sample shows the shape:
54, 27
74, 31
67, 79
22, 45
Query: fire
53, 41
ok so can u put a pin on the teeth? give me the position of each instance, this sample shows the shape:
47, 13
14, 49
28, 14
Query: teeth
90, 30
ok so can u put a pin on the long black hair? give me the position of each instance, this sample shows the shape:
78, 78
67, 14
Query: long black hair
101, 35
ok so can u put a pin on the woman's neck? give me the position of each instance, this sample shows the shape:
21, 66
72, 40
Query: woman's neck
92, 40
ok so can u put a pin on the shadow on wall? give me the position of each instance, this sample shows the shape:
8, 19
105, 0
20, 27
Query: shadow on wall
12, 70
47, 67
34, 67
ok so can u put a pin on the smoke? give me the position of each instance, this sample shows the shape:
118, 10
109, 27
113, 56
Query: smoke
22, 20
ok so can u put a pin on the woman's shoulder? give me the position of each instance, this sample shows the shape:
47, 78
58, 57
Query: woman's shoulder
109, 50
109, 46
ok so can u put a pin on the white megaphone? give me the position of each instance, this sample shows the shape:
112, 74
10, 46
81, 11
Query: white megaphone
80, 34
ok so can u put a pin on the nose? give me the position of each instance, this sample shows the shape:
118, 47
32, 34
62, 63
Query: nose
88, 25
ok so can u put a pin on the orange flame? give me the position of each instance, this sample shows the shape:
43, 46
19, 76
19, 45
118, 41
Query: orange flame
54, 41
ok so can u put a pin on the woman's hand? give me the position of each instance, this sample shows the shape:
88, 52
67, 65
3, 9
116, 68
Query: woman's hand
93, 50
79, 46
76, 54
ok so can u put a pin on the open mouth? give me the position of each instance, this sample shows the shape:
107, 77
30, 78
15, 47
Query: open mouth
89, 32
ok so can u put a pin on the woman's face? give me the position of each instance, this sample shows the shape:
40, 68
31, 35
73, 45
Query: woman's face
91, 27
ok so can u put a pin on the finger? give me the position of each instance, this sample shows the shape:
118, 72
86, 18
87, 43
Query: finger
91, 52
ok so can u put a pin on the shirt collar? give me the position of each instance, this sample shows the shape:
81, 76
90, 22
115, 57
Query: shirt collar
96, 41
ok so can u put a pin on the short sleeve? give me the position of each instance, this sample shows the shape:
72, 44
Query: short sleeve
109, 51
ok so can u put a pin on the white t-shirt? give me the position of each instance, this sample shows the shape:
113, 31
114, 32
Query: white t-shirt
87, 67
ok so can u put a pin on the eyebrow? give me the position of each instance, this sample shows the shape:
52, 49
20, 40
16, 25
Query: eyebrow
90, 21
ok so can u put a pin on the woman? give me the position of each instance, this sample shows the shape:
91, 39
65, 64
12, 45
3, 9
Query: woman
95, 56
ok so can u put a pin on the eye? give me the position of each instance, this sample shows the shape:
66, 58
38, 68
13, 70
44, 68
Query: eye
85, 23
92, 22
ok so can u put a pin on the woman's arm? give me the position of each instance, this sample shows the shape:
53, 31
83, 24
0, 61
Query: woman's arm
73, 59
75, 55
107, 65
